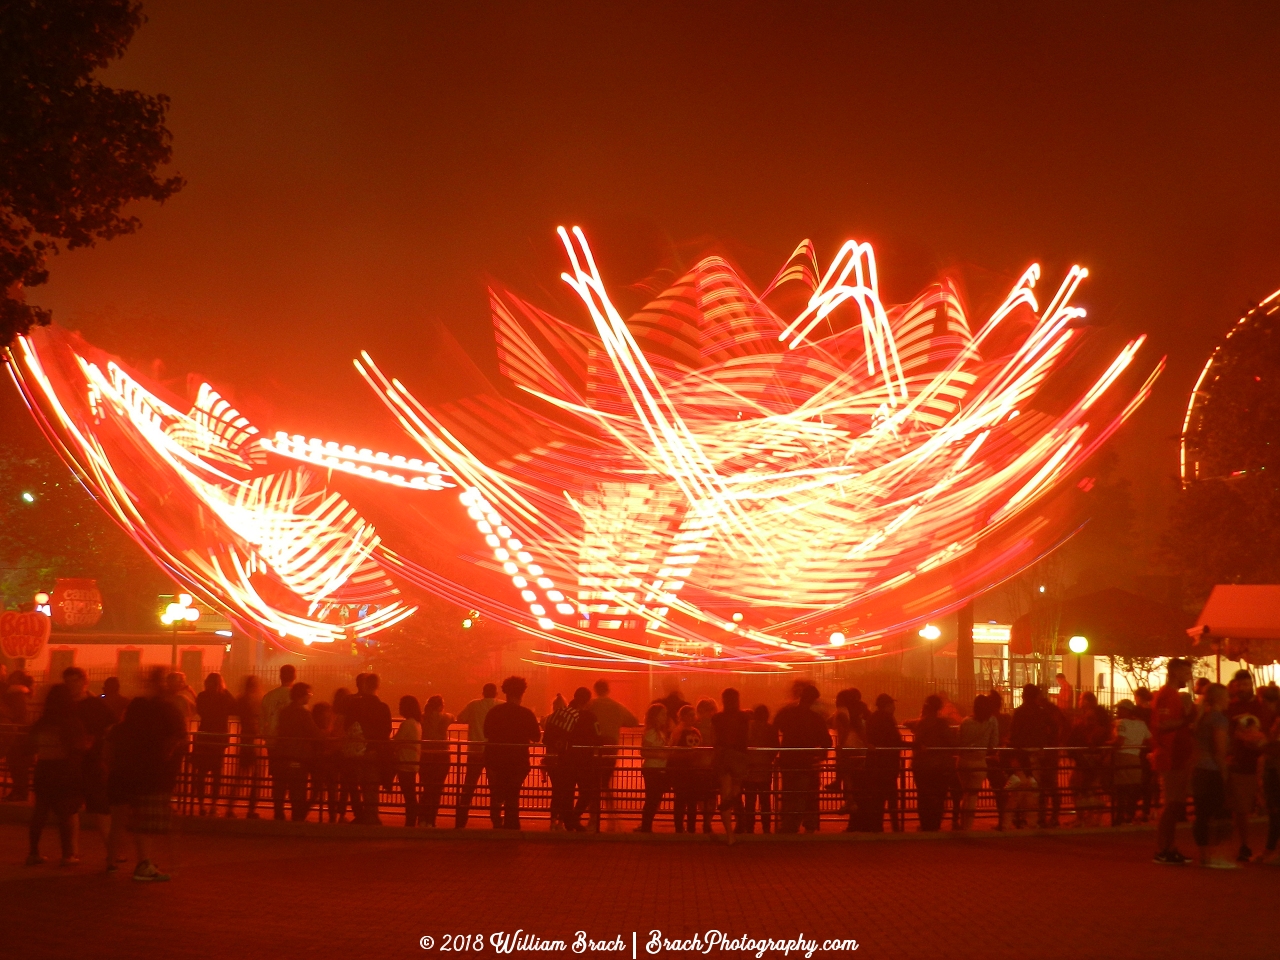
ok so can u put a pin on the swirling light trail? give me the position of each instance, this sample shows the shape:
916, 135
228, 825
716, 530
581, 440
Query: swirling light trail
848, 473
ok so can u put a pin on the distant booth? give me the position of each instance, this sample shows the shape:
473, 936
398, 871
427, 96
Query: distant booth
1241, 623
1129, 636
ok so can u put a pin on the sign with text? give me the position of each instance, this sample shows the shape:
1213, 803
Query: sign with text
76, 603
23, 635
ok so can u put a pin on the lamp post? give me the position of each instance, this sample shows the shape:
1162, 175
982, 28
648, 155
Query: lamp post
1078, 645
174, 614
931, 633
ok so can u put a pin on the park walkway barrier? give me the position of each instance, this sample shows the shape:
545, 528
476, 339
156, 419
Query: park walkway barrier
336, 780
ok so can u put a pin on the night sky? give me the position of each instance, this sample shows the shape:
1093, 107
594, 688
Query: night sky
358, 172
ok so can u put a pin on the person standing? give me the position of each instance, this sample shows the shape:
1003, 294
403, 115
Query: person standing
884, 741
214, 705
1065, 698
979, 737
298, 747
1209, 775
1131, 735
1271, 775
374, 718
474, 715
272, 704
611, 717
408, 756
762, 741
1150, 784
582, 760
704, 711
1030, 732
1250, 718
653, 764
509, 728
96, 718
732, 728
556, 730
682, 765
434, 766
249, 713
145, 761
60, 742
804, 741
1173, 715
15, 709
112, 698
932, 763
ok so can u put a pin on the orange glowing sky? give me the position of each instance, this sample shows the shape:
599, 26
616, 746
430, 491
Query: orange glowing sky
357, 171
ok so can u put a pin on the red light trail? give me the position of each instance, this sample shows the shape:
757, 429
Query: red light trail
706, 484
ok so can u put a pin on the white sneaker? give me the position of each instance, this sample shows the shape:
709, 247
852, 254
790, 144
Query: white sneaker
147, 873
1217, 863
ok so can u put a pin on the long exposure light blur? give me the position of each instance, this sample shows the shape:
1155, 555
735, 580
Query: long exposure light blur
705, 484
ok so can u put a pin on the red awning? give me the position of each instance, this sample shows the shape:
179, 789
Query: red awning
1246, 618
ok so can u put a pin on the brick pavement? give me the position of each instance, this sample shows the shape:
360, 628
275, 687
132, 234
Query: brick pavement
1066, 895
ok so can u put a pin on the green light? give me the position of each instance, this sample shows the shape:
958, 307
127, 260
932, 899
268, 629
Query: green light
29, 497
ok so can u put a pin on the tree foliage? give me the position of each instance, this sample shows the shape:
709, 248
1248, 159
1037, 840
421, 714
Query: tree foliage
1224, 526
73, 151
60, 532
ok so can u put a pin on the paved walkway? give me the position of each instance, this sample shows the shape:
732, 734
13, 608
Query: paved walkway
1067, 895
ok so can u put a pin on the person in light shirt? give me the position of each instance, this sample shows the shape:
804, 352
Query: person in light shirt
473, 715
611, 717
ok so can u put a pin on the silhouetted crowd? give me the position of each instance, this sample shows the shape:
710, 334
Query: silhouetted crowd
120, 759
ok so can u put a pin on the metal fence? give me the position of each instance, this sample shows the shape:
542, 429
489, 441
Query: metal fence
1009, 787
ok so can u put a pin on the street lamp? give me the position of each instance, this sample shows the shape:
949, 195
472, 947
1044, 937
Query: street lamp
1078, 645
183, 611
931, 633
837, 639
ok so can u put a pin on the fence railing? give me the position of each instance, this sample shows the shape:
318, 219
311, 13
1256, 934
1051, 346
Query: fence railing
863, 789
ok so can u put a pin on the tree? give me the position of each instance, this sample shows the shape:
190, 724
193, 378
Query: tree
1224, 527
73, 151
50, 527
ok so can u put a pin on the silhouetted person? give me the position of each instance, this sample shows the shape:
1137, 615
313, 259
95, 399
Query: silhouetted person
804, 740
1029, 734
851, 761
374, 718
731, 759
112, 698
473, 715
249, 713
611, 717
509, 728
215, 705
762, 739
145, 760
682, 764
298, 746
435, 761
884, 742
14, 717
932, 763
60, 742
272, 704
583, 762
96, 718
